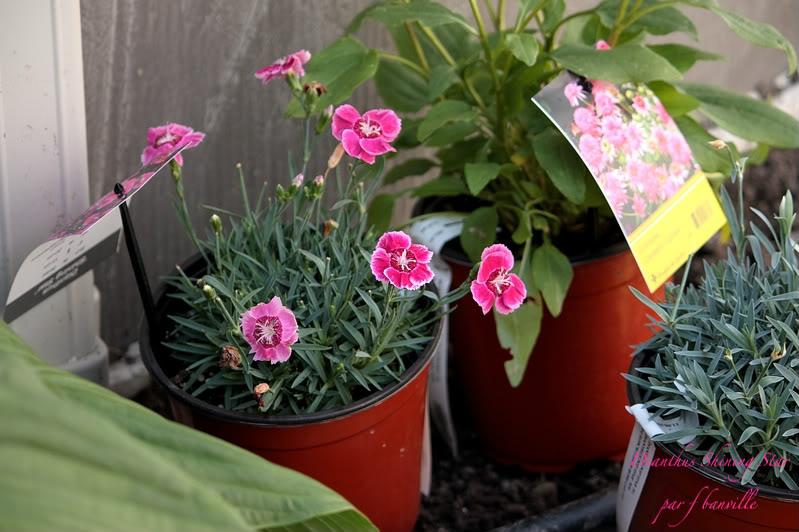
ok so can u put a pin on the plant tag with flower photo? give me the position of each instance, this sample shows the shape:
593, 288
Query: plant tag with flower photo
643, 166
89, 239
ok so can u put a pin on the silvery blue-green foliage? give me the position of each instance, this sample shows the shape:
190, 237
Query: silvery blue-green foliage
728, 350
355, 335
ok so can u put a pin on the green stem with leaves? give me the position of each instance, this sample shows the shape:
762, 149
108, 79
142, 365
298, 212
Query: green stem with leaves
617, 23
478, 18
183, 208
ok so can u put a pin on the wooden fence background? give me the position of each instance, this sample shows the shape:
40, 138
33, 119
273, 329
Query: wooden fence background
147, 62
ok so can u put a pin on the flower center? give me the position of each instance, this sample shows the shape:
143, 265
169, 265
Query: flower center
498, 281
165, 138
268, 331
366, 129
402, 259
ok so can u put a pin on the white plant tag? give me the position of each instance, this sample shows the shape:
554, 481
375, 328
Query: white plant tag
636, 466
434, 232
633, 476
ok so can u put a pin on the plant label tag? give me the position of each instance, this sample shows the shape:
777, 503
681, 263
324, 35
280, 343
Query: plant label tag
434, 232
643, 165
85, 242
633, 477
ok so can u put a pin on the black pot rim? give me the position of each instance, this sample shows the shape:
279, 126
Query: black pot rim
150, 360
634, 396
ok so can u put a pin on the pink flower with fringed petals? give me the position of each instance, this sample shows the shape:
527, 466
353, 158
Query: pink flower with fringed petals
366, 136
400, 262
574, 93
495, 285
165, 139
284, 65
270, 328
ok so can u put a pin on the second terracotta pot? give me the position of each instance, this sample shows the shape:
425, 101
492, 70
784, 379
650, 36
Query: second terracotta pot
569, 407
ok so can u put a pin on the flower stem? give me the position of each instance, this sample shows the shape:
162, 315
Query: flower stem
491, 13
233, 323
566, 19
636, 14
489, 57
617, 23
183, 208
417, 47
436, 43
410, 64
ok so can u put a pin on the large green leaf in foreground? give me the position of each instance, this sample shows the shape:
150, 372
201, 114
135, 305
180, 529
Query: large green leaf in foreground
75, 456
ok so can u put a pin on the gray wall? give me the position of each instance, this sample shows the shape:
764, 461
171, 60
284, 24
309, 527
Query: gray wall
147, 62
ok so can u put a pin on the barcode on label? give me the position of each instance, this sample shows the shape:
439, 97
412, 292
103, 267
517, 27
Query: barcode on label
700, 214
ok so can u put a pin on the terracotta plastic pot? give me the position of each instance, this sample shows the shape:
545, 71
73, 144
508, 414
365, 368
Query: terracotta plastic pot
771, 509
369, 451
569, 407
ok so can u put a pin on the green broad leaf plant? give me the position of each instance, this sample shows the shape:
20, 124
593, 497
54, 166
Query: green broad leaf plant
76, 456
728, 350
464, 84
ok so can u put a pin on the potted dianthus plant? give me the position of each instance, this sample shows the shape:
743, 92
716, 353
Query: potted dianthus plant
722, 371
502, 164
298, 331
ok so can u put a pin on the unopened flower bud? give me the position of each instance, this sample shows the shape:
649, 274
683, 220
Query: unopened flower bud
259, 391
229, 357
319, 180
216, 223
728, 354
298, 179
209, 292
281, 193
294, 82
718, 144
321, 124
334, 159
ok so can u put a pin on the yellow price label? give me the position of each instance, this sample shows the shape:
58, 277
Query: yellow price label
678, 228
